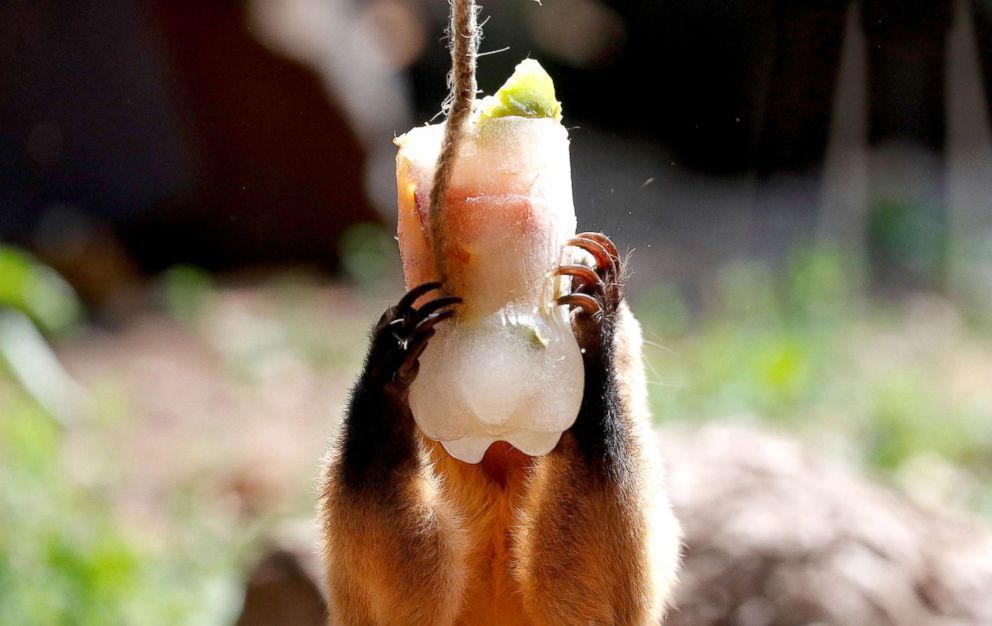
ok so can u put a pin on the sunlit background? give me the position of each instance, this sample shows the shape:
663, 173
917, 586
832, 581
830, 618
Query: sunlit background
197, 216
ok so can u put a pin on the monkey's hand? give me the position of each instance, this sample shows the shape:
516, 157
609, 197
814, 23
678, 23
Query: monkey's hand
391, 544
401, 336
587, 549
597, 293
379, 428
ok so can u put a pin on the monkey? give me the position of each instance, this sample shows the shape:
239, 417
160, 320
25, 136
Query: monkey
583, 535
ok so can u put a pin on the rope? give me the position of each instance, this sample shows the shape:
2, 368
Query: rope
463, 35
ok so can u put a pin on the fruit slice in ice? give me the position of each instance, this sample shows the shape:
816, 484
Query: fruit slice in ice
508, 367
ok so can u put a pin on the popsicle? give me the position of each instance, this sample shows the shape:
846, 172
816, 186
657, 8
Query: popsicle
508, 367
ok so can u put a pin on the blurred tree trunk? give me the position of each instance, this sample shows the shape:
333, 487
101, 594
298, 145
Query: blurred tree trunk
906, 44
789, 164
908, 221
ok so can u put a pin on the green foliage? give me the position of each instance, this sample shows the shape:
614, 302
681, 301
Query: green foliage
185, 290
66, 554
67, 558
910, 235
34, 299
805, 351
368, 254
36, 291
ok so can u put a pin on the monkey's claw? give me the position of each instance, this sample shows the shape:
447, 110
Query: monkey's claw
402, 334
596, 289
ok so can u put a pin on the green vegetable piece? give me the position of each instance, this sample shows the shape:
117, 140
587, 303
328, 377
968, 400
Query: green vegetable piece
530, 92
537, 342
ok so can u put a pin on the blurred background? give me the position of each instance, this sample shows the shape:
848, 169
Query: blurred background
197, 208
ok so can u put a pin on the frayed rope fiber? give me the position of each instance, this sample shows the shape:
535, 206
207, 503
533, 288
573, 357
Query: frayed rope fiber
464, 35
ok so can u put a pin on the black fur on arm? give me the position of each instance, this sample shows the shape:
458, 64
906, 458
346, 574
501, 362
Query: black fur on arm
379, 438
379, 442
600, 431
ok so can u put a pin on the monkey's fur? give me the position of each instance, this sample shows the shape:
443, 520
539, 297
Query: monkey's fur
583, 535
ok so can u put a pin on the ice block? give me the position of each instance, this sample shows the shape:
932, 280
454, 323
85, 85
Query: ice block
507, 367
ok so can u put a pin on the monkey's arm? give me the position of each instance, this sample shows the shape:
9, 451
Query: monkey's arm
391, 547
600, 545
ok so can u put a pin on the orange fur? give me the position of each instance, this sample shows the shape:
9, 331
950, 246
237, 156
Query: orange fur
513, 540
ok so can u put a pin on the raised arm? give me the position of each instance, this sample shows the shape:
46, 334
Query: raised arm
600, 544
392, 547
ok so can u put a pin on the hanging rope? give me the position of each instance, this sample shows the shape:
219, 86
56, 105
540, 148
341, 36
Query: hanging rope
463, 36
